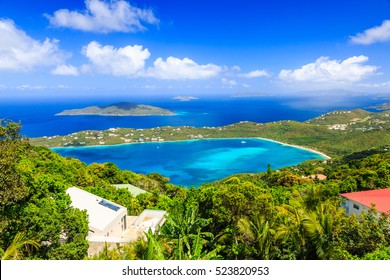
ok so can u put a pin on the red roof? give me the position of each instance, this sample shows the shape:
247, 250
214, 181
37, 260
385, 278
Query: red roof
381, 199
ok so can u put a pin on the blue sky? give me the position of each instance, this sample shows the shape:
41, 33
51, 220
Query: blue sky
190, 47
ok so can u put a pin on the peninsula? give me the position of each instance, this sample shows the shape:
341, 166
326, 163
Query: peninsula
335, 133
382, 107
119, 109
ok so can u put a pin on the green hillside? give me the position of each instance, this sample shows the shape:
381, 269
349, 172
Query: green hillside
342, 117
278, 214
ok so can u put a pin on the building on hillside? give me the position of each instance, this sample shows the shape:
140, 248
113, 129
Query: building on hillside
357, 202
109, 223
105, 218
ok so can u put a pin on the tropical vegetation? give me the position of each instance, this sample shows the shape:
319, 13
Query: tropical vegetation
285, 214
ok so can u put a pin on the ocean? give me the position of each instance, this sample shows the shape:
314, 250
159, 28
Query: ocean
38, 118
186, 163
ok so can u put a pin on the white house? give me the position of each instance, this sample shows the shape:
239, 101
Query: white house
109, 223
106, 218
357, 202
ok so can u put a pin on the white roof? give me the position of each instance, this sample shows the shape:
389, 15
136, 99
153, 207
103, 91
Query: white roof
149, 219
101, 212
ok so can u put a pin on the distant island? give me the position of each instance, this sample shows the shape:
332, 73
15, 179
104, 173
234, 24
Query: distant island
119, 109
381, 107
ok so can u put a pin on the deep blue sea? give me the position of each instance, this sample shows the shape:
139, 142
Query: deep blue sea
190, 162
38, 118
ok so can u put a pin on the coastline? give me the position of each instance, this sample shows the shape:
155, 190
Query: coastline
191, 140
297, 146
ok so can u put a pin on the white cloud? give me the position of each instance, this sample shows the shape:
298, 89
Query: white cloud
127, 61
63, 87
130, 61
324, 70
376, 85
30, 87
246, 85
181, 69
65, 70
229, 82
150, 86
373, 35
104, 17
20, 52
255, 74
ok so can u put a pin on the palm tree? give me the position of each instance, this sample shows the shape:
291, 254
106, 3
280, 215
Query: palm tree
312, 196
291, 216
259, 233
184, 234
15, 249
320, 226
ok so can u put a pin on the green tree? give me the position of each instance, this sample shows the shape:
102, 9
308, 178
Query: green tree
234, 200
12, 149
320, 226
291, 218
259, 234
20, 244
185, 232
379, 254
363, 234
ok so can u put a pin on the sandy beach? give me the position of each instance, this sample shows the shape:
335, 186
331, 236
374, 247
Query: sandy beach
296, 146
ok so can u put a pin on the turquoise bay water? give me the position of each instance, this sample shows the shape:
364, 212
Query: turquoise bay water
191, 163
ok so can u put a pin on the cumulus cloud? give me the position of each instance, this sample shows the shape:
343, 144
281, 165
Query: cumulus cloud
104, 17
20, 52
65, 70
130, 61
255, 74
373, 35
324, 70
181, 69
229, 82
127, 61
